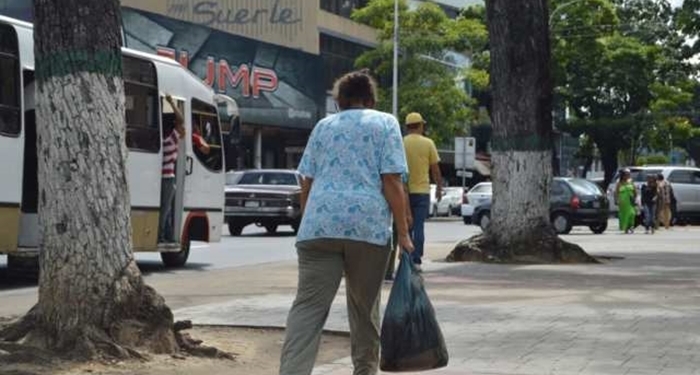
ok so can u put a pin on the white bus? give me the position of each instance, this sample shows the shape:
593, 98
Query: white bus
198, 213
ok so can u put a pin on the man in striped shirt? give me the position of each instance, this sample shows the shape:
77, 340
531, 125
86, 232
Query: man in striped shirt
168, 182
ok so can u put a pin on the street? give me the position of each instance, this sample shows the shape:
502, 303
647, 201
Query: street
635, 313
253, 248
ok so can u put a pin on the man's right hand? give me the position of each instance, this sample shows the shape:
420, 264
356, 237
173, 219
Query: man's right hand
169, 98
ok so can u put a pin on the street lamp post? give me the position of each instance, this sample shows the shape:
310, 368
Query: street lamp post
395, 73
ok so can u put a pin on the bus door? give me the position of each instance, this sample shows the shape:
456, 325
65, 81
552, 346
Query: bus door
11, 140
143, 138
168, 119
204, 169
29, 224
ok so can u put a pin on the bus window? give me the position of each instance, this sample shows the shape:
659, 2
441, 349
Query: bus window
205, 124
10, 121
141, 93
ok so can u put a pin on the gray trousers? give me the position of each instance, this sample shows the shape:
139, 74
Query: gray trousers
322, 264
167, 201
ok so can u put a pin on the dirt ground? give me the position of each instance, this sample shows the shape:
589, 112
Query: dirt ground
257, 352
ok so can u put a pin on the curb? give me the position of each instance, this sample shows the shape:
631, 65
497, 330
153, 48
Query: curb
328, 332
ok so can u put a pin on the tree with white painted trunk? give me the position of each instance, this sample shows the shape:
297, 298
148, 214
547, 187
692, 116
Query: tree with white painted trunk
520, 229
92, 297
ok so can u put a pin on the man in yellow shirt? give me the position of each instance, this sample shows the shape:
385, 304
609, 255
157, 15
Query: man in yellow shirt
422, 158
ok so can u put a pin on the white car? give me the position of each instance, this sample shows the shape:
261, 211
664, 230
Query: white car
684, 180
481, 193
451, 199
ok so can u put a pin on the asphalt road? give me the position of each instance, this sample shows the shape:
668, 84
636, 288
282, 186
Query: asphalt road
256, 247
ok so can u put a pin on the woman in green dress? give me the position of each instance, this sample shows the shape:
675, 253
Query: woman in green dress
626, 195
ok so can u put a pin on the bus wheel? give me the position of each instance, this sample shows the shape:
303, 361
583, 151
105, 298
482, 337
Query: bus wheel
178, 259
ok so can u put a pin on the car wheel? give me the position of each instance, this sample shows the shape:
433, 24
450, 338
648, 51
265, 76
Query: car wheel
561, 223
235, 229
599, 228
295, 226
178, 259
485, 221
271, 228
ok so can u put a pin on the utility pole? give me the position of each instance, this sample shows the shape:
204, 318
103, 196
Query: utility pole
395, 88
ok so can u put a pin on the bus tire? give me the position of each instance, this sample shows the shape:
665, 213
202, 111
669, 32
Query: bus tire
177, 259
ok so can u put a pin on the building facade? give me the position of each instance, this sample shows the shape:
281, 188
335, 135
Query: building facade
276, 58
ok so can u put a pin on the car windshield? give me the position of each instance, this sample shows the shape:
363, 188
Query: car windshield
482, 189
640, 175
268, 178
233, 178
583, 187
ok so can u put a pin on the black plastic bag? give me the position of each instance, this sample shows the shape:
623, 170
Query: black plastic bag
411, 337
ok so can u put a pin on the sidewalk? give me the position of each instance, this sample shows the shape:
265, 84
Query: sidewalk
637, 315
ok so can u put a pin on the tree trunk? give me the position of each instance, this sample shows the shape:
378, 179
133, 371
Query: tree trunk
92, 299
520, 228
587, 165
693, 148
608, 157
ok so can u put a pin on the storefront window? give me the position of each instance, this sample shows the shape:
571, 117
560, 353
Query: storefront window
338, 57
342, 8
205, 127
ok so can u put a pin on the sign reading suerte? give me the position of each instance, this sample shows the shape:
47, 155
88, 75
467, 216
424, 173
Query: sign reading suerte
215, 13
465, 152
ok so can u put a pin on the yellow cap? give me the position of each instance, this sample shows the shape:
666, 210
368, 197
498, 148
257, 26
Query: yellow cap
414, 118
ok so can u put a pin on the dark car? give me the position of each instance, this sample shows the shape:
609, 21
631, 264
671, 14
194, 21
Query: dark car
265, 197
572, 202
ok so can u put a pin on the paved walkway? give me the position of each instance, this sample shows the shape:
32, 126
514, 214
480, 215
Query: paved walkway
637, 315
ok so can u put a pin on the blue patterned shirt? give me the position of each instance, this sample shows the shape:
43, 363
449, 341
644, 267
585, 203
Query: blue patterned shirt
346, 155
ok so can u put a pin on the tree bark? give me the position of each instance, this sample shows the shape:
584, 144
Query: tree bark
92, 298
521, 82
608, 157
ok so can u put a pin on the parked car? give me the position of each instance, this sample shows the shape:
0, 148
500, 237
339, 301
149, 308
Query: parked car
450, 202
686, 188
476, 196
433, 201
265, 197
572, 202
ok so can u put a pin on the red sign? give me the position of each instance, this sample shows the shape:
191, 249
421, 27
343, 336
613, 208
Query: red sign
253, 80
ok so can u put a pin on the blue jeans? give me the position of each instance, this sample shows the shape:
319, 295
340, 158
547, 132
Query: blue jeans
649, 215
420, 205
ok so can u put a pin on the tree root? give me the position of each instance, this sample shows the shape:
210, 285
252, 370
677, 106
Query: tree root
136, 319
20, 328
544, 249
194, 347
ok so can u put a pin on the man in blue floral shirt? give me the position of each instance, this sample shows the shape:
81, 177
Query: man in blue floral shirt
352, 166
